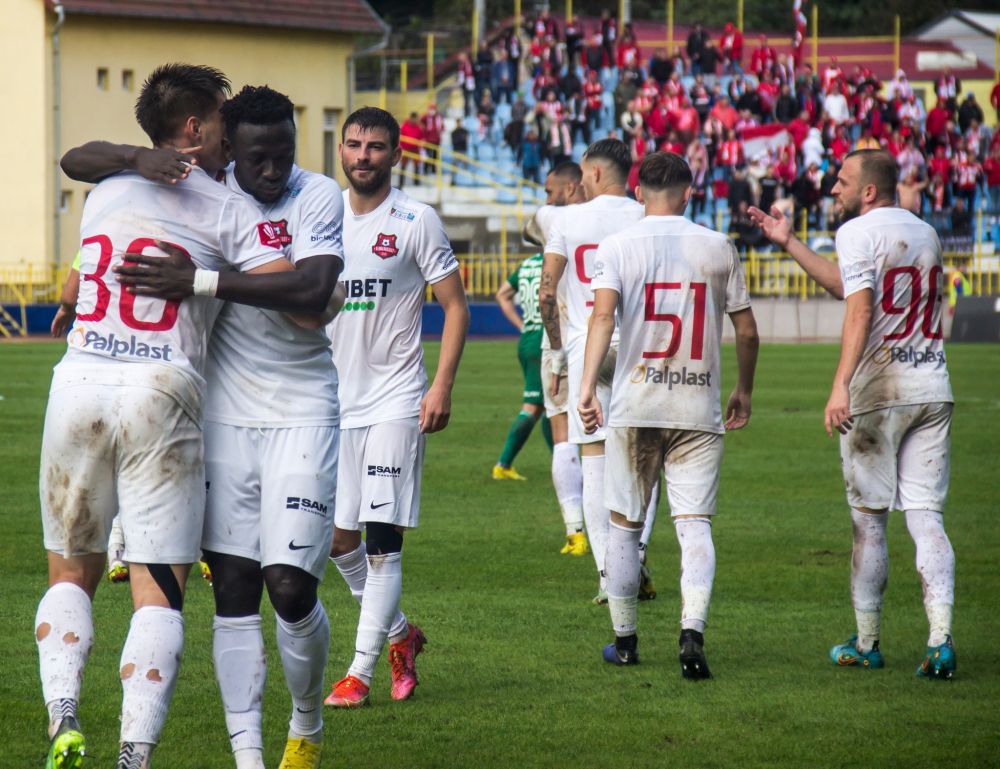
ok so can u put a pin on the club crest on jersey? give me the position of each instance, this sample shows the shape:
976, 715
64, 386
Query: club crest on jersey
385, 246
274, 234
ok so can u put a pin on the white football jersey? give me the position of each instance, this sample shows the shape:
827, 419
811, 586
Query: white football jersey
675, 280
164, 339
575, 234
391, 254
264, 370
898, 257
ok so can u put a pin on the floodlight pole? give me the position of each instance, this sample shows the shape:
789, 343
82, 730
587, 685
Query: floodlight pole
739, 15
815, 37
670, 28
895, 45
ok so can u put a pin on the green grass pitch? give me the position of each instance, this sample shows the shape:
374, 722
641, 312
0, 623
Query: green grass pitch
512, 675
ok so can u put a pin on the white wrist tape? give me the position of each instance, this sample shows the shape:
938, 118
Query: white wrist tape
558, 362
206, 282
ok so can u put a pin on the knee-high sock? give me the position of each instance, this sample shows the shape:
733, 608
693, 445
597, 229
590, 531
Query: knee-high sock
647, 527
149, 664
869, 574
303, 647
622, 566
518, 435
697, 570
379, 606
241, 670
567, 478
116, 541
594, 511
353, 567
936, 565
64, 633
547, 431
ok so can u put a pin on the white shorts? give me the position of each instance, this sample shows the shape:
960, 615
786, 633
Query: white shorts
271, 493
558, 404
133, 451
574, 358
897, 458
379, 476
691, 461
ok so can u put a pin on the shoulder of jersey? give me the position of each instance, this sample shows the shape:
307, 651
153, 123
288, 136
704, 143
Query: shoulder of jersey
302, 180
407, 209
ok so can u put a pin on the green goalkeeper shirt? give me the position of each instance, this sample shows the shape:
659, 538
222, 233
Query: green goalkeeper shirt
526, 280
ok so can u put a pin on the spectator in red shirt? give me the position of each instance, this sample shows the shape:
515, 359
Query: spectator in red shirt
408, 132
730, 154
763, 57
731, 46
433, 127
593, 92
995, 99
939, 171
629, 54
937, 125
799, 129
966, 172
767, 92
991, 169
724, 112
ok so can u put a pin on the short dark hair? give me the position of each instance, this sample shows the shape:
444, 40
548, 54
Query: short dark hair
568, 171
256, 105
174, 92
664, 171
878, 167
368, 118
615, 152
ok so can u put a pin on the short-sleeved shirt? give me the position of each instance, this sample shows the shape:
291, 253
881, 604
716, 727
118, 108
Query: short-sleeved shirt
263, 369
675, 279
898, 257
165, 340
391, 254
544, 217
525, 281
575, 234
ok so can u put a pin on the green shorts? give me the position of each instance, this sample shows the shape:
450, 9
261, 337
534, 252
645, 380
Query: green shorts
529, 354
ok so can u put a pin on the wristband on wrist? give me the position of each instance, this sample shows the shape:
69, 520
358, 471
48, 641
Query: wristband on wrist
558, 362
206, 282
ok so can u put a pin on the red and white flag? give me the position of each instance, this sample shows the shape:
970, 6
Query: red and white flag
764, 139
800, 30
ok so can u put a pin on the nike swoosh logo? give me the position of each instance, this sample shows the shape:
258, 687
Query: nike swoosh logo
293, 546
300, 710
237, 734
376, 507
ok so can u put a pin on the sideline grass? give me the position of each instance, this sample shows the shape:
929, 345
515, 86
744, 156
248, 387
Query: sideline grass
512, 675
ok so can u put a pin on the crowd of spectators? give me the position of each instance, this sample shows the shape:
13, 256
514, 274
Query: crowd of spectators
567, 83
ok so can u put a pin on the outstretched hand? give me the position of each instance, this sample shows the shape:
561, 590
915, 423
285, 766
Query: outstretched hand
167, 277
165, 164
775, 226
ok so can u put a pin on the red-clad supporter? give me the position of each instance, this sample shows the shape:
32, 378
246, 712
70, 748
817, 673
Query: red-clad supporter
672, 144
763, 57
593, 91
731, 45
637, 146
629, 55
658, 123
831, 74
948, 87
686, 121
939, 170
767, 91
730, 152
840, 145
995, 100
937, 123
746, 120
647, 96
433, 127
410, 133
544, 82
966, 172
894, 144
799, 129
725, 113
786, 168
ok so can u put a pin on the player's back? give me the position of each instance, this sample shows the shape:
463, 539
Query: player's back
162, 341
898, 256
575, 234
676, 279
264, 369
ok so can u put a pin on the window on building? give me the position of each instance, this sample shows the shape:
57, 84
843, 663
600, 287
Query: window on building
102, 78
331, 119
128, 79
65, 200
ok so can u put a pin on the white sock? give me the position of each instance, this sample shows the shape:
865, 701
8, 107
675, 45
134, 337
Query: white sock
697, 570
64, 633
596, 514
567, 479
303, 646
647, 526
936, 566
241, 670
353, 567
379, 607
150, 660
869, 574
622, 566
116, 542
134, 755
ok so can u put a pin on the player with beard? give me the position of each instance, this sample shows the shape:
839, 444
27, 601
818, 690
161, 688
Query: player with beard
891, 399
394, 247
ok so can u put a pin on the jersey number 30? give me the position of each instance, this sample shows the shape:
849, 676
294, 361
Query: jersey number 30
698, 326
126, 302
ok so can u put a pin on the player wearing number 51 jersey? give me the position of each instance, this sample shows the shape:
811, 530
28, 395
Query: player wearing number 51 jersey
671, 281
891, 399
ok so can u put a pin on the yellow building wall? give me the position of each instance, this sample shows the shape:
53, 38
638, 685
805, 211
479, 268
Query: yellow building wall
308, 66
25, 193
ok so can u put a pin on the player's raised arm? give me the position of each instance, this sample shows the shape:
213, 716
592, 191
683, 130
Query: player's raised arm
98, 160
599, 332
747, 346
778, 230
435, 408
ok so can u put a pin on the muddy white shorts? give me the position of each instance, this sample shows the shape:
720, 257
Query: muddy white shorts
690, 459
379, 475
574, 360
271, 493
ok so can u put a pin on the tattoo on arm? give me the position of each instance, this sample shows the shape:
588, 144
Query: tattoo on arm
549, 308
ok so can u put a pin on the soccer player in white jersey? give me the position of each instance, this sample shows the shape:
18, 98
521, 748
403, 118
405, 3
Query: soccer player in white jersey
573, 237
394, 247
670, 281
891, 399
123, 423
